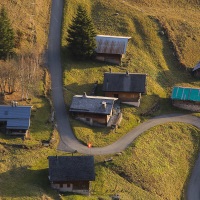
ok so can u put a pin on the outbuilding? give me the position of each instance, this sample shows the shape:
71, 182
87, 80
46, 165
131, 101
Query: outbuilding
111, 49
186, 98
196, 70
15, 119
71, 173
128, 87
93, 110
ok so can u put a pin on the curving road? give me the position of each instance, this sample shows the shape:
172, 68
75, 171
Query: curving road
68, 141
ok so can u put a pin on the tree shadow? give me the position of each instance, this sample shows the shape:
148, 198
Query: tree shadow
79, 89
22, 181
68, 62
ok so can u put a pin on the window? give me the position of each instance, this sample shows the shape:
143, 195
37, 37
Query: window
61, 185
68, 185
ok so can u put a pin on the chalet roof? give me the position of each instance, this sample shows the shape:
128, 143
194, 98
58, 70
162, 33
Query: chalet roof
186, 93
15, 116
71, 168
124, 82
111, 44
196, 67
92, 104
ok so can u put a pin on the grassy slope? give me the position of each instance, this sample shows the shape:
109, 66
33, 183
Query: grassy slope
148, 52
29, 20
23, 172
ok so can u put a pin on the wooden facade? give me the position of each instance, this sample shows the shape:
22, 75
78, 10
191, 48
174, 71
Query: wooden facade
110, 58
92, 118
81, 187
125, 96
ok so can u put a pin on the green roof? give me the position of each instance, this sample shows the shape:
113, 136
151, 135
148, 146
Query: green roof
185, 93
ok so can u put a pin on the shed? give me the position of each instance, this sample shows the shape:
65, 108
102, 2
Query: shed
111, 48
196, 70
93, 110
128, 87
186, 98
71, 173
14, 119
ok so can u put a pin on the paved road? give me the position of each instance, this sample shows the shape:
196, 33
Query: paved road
68, 142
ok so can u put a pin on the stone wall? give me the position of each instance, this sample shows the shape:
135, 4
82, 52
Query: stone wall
192, 106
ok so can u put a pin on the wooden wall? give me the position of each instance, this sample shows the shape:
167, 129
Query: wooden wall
110, 58
124, 96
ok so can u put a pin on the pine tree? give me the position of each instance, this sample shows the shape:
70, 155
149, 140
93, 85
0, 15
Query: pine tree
81, 35
6, 35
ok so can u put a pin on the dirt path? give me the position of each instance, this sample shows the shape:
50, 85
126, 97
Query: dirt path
68, 141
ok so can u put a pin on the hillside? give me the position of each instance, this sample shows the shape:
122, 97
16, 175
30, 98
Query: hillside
158, 164
29, 20
165, 39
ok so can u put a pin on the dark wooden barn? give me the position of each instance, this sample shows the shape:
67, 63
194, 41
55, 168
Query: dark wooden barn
71, 173
14, 119
111, 48
128, 87
196, 70
93, 110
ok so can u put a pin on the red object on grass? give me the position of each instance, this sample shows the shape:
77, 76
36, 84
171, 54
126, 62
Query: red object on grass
89, 145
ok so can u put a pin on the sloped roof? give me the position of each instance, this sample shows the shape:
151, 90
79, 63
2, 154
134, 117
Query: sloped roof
196, 67
71, 168
16, 116
186, 93
124, 82
111, 44
92, 104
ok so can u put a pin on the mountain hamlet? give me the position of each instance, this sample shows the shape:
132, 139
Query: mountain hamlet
80, 78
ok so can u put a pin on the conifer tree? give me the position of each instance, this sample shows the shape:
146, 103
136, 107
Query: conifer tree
81, 35
6, 35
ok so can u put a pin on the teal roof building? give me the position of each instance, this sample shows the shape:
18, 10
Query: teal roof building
186, 94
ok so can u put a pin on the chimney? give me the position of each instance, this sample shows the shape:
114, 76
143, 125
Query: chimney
16, 103
84, 94
127, 73
103, 104
12, 103
110, 70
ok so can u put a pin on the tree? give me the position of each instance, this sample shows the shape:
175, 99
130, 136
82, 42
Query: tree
6, 35
81, 35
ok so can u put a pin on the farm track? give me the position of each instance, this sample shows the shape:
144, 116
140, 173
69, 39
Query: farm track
68, 141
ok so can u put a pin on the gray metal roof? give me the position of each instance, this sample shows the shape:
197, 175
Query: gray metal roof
196, 67
92, 104
71, 168
124, 82
17, 117
111, 44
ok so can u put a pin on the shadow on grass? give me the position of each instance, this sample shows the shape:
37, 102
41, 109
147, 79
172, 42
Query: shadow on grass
79, 89
72, 63
23, 182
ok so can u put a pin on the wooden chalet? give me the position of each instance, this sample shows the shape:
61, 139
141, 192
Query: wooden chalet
196, 70
93, 110
111, 48
128, 87
71, 173
14, 119
186, 98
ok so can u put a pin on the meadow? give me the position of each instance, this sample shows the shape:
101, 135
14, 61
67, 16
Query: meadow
158, 164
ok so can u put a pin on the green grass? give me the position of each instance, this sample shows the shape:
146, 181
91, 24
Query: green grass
158, 164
